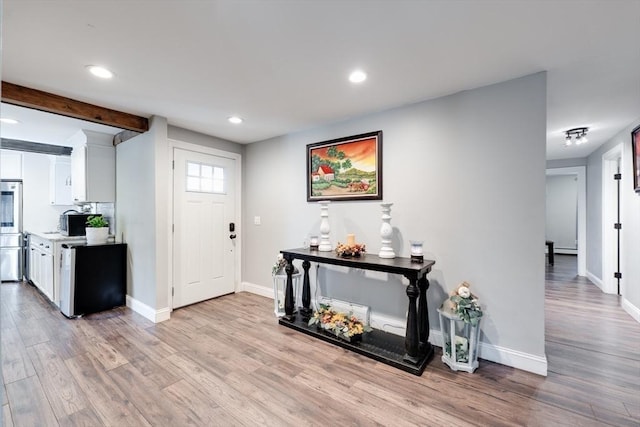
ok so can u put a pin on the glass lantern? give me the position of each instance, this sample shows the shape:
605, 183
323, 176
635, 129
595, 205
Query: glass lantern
279, 287
460, 341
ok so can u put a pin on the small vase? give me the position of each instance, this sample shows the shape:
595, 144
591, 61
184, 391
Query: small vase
97, 236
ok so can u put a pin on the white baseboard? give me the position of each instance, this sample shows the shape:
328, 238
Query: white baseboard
256, 289
493, 353
156, 316
596, 281
631, 309
565, 251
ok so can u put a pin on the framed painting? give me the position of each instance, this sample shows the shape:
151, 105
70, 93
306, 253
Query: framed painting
635, 152
348, 168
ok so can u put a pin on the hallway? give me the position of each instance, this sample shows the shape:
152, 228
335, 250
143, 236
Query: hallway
592, 344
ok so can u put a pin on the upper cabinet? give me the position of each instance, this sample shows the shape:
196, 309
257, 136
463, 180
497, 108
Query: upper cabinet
60, 181
10, 165
93, 167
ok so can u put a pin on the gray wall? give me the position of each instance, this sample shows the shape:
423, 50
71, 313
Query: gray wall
136, 211
630, 248
466, 174
186, 135
630, 216
562, 211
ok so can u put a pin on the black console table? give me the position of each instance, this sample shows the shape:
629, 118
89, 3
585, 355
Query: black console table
411, 353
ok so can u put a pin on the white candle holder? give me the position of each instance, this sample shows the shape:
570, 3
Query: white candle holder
386, 251
325, 228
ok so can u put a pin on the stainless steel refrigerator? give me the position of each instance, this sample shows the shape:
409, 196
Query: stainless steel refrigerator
11, 230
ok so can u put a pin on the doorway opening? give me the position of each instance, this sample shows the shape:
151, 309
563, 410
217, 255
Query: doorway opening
567, 212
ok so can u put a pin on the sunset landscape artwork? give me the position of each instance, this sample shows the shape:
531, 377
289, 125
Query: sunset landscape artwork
347, 168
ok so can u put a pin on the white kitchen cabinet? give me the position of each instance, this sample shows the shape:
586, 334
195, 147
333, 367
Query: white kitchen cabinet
41, 265
60, 181
10, 165
45, 262
93, 168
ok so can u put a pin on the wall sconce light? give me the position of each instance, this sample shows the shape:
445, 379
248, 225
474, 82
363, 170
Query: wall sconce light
579, 135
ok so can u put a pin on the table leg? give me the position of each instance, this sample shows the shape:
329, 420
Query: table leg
423, 312
411, 340
305, 310
288, 293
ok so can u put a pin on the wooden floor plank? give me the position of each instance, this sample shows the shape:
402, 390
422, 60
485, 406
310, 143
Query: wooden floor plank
108, 401
29, 405
63, 394
16, 364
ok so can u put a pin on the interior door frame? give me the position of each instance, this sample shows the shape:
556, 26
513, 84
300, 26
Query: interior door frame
581, 173
174, 143
609, 217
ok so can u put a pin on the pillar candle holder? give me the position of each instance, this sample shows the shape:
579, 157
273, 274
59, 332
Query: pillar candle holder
325, 228
416, 251
386, 251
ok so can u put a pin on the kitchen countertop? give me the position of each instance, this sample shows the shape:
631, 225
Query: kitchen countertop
55, 236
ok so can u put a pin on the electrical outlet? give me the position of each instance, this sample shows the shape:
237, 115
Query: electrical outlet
257, 220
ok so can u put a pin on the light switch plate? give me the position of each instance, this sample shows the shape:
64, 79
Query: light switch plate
257, 220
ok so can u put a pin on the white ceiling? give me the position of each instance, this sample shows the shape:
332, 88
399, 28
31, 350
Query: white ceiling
283, 65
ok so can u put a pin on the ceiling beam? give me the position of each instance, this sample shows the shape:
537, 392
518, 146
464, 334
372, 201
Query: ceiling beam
44, 101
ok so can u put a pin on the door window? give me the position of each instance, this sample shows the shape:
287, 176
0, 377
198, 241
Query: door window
205, 178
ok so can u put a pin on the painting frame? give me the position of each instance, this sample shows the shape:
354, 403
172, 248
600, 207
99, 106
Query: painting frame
345, 169
635, 154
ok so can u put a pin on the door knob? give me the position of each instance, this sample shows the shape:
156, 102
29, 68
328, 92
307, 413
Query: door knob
232, 236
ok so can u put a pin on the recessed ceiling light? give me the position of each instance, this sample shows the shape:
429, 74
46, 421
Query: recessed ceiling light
235, 120
357, 76
9, 121
98, 71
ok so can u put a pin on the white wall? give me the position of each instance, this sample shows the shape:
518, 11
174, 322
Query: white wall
466, 174
562, 211
38, 214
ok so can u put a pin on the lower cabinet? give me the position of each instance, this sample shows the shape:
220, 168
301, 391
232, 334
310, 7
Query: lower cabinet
41, 265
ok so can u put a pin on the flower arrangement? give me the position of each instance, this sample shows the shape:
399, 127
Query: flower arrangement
345, 326
354, 250
279, 264
465, 304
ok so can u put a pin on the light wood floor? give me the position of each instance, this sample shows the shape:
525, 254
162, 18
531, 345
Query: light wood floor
227, 362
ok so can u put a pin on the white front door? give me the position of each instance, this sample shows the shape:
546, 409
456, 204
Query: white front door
204, 208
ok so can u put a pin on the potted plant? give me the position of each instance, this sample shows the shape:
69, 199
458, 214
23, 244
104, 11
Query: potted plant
97, 230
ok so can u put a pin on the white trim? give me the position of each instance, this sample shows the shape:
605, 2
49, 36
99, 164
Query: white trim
596, 281
631, 309
174, 143
505, 356
144, 310
566, 252
609, 198
263, 291
581, 172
